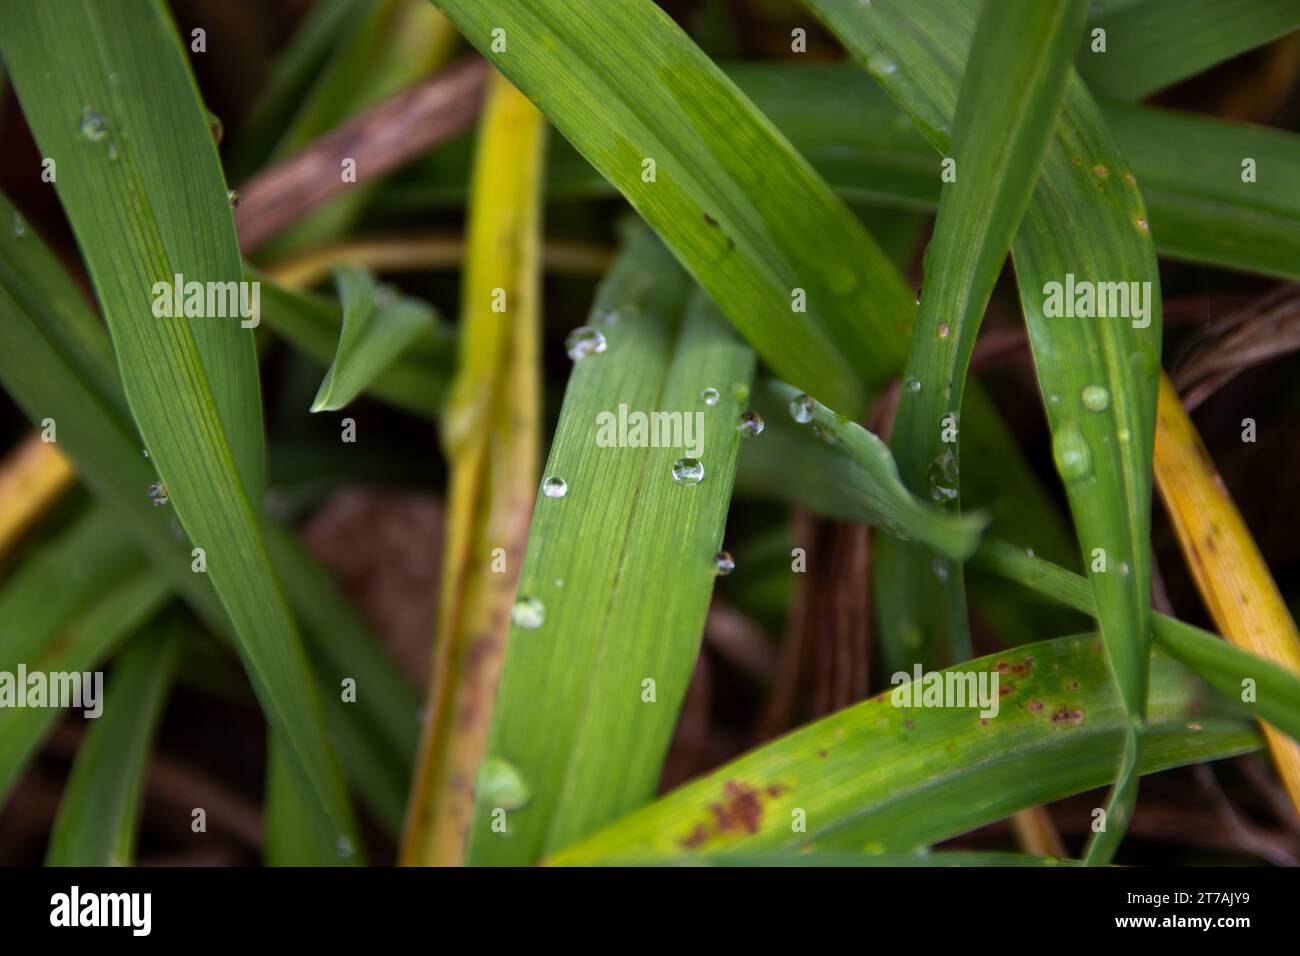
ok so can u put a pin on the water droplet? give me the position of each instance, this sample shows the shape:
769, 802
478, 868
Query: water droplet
344, 847
555, 487
709, 396
234, 198
942, 477
1029, 552
158, 494
1145, 364
1125, 434
1124, 569
943, 330
688, 471
1142, 224
750, 424
724, 563
940, 568
215, 127
145, 452
584, 341
741, 393
528, 613
913, 385
918, 296
500, 784
1073, 460
1096, 398
881, 66
801, 408
93, 125
20, 226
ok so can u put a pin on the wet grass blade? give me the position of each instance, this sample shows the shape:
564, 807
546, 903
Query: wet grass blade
692, 154
118, 107
1009, 100
99, 813
618, 574
1154, 44
1097, 375
1230, 573
1058, 732
490, 434
865, 485
65, 609
56, 362
1222, 666
378, 325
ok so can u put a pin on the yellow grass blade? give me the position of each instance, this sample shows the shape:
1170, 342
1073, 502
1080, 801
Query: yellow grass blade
490, 435
32, 477
1230, 573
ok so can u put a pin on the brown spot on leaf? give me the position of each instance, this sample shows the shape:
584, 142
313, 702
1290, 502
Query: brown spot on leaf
1067, 717
1034, 706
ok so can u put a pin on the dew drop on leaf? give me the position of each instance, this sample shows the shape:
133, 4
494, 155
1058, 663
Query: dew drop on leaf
723, 563
801, 409
709, 396
688, 471
1096, 398
555, 487
528, 613
500, 784
584, 341
750, 424
158, 494
1073, 460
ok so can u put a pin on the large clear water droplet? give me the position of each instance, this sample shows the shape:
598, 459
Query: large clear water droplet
1073, 459
1096, 398
750, 424
801, 408
158, 494
723, 563
942, 477
709, 396
500, 784
584, 341
528, 613
555, 487
688, 471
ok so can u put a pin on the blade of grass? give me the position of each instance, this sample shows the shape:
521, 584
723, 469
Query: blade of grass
623, 566
378, 325
1222, 666
933, 773
416, 380
1098, 375
120, 107
1230, 573
800, 859
65, 609
863, 484
1154, 44
626, 86
490, 435
32, 477
1008, 103
57, 362
99, 813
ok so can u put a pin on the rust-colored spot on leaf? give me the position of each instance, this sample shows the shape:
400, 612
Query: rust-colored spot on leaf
1067, 717
1034, 706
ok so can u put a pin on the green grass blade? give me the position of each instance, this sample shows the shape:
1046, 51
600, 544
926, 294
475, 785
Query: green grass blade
1098, 376
1154, 44
624, 84
65, 609
839, 859
378, 325
99, 814
416, 380
862, 473
932, 773
1224, 667
1010, 97
119, 107
622, 566
1187, 166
